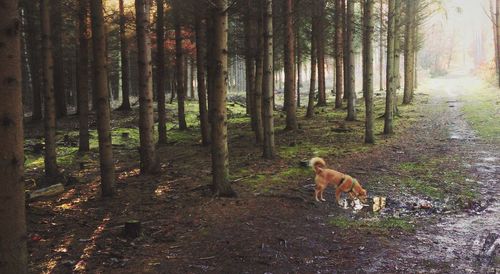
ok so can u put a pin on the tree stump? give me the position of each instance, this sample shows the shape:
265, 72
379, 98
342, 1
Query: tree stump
132, 229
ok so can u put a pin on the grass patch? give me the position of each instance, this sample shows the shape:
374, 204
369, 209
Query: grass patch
482, 111
434, 179
378, 224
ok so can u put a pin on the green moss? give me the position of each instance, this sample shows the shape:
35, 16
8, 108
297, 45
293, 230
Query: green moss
379, 224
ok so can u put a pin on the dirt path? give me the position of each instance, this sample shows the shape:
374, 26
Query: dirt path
468, 242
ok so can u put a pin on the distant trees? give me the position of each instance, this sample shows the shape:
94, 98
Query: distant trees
215, 40
13, 250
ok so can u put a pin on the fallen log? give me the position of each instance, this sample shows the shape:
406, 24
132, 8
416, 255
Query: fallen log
48, 191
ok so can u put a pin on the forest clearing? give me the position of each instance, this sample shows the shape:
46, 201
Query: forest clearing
194, 156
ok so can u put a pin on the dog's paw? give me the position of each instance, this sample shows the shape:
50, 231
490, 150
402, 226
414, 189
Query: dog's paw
323, 200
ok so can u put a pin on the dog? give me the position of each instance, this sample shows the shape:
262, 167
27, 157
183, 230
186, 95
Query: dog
342, 182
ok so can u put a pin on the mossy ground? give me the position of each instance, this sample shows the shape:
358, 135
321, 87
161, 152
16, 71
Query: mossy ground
481, 109
373, 224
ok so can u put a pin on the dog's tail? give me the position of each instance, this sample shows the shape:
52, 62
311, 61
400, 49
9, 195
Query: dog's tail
317, 164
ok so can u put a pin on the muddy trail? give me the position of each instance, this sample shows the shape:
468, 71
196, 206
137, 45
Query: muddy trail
460, 242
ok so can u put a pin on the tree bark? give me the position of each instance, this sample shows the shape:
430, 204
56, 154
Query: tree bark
220, 161
201, 40
250, 49
57, 32
259, 76
179, 65
409, 52
160, 70
289, 53
13, 250
149, 163
339, 54
351, 88
320, 48
48, 91
191, 78
381, 47
124, 59
267, 82
299, 62
390, 75
497, 34
102, 98
312, 83
397, 53
83, 76
368, 30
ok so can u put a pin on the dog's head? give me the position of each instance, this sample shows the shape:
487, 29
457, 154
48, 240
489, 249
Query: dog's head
362, 195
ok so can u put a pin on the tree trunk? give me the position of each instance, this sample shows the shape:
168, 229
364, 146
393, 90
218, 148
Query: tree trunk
250, 49
320, 43
339, 54
299, 62
289, 48
179, 65
351, 88
220, 161
149, 163
390, 83
48, 91
34, 50
201, 40
102, 94
160, 70
191, 78
312, 83
381, 47
409, 55
124, 61
497, 34
397, 53
13, 251
83, 76
57, 31
267, 82
259, 75
368, 30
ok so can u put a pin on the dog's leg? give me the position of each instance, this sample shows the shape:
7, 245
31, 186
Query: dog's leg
321, 195
338, 192
316, 192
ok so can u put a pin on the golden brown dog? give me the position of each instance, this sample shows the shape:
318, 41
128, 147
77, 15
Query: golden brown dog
342, 182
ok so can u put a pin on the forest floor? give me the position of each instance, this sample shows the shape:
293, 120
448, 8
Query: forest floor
439, 172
